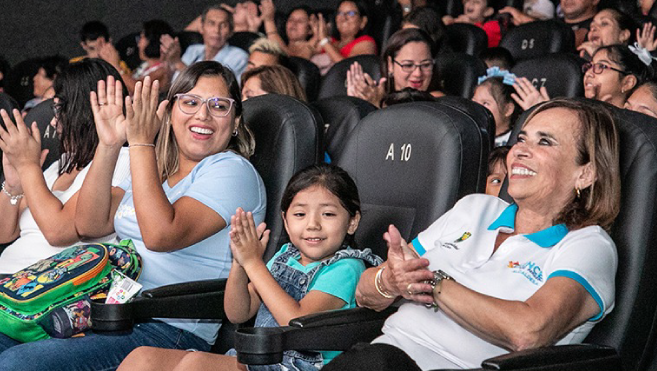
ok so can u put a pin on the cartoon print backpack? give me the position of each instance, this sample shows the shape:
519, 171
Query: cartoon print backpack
29, 298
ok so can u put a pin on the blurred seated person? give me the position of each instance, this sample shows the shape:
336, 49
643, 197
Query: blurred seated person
407, 62
609, 27
428, 20
611, 76
494, 91
497, 57
496, 170
216, 29
271, 79
300, 40
245, 18
489, 277
4, 71
264, 52
351, 22
149, 52
97, 43
644, 99
49, 68
578, 14
479, 13
406, 95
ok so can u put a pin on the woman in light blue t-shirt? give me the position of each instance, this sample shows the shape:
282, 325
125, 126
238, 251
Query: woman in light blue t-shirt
183, 189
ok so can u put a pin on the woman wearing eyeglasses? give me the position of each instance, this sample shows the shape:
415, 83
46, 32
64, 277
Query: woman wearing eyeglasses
183, 189
351, 21
611, 76
407, 62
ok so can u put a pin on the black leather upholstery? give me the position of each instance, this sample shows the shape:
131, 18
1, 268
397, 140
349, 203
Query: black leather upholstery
308, 74
334, 82
243, 39
538, 38
43, 114
467, 38
340, 114
287, 140
560, 73
19, 83
457, 73
8, 104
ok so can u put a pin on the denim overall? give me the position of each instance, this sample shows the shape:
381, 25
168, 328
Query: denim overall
296, 283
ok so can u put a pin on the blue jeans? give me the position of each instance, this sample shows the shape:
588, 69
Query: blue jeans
93, 351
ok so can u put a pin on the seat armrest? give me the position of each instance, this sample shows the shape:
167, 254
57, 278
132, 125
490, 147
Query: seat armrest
186, 288
581, 357
333, 330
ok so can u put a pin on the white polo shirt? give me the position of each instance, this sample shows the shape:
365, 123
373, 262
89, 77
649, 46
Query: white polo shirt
461, 244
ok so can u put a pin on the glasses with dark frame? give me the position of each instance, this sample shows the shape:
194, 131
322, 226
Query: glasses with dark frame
598, 68
217, 106
409, 67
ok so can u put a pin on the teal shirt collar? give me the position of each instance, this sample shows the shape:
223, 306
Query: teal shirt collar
545, 238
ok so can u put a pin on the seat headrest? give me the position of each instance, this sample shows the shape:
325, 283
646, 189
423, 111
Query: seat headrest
559, 73
308, 75
43, 113
288, 139
467, 38
538, 38
458, 73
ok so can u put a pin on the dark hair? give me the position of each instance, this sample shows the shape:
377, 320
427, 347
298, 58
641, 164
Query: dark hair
497, 155
397, 41
276, 79
406, 95
498, 56
5, 67
628, 62
93, 30
597, 144
74, 116
53, 65
501, 92
167, 146
625, 22
153, 30
428, 20
651, 86
332, 178
363, 11
231, 22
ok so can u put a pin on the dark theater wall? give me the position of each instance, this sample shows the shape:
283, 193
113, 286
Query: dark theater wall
32, 28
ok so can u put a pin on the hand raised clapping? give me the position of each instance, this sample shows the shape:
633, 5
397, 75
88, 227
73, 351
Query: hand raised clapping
527, 95
20, 145
363, 86
246, 242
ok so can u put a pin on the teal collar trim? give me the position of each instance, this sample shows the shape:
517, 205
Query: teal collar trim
545, 238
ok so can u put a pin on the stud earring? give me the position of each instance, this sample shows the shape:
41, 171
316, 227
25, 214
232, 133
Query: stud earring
578, 193
235, 132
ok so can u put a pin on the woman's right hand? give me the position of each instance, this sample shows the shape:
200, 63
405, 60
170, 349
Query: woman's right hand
407, 272
144, 114
170, 49
527, 95
361, 85
20, 145
107, 108
587, 49
322, 27
645, 36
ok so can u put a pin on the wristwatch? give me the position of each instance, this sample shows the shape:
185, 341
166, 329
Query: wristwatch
438, 277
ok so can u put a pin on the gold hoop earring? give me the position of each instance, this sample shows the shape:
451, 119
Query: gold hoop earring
578, 193
235, 132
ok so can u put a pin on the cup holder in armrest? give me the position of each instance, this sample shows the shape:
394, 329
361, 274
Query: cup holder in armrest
111, 317
259, 345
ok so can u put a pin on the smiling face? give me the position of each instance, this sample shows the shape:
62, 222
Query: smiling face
215, 29
501, 115
642, 100
317, 223
543, 168
349, 25
200, 134
414, 52
608, 85
605, 30
297, 26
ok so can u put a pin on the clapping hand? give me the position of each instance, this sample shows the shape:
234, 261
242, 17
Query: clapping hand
107, 107
21, 146
170, 49
408, 272
363, 86
247, 242
645, 36
144, 114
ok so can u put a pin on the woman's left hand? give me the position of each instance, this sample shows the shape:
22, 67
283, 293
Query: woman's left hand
143, 112
322, 27
21, 146
247, 242
408, 273
361, 85
527, 95
645, 36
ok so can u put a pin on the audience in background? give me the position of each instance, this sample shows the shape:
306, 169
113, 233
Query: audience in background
264, 52
644, 99
216, 28
479, 13
494, 92
4, 70
497, 57
609, 27
496, 170
43, 81
271, 79
428, 20
301, 42
97, 43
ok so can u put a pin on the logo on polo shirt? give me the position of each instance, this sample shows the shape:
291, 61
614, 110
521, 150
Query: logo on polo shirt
529, 270
452, 245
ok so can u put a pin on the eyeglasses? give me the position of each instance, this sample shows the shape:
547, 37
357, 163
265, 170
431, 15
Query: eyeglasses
409, 67
599, 67
217, 106
349, 14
